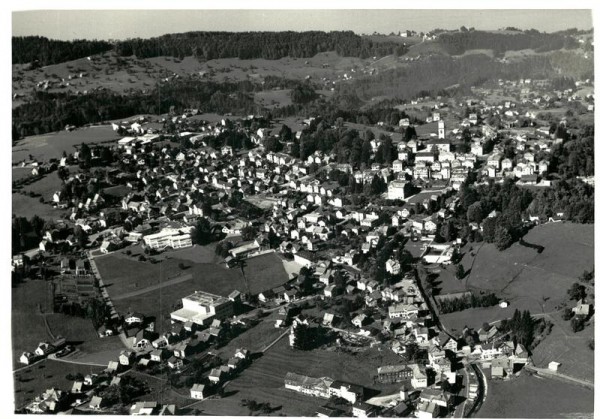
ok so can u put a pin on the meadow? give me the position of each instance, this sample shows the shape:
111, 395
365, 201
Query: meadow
530, 396
48, 146
528, 280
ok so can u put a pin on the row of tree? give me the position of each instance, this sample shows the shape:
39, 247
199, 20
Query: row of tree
450, 305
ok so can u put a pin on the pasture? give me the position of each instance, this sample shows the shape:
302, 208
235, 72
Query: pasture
568, 348
26, 206
529, 396
47, 185
532, 281
51, 145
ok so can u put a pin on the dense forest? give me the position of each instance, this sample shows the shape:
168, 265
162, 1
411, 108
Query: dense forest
42, 51
457, 43
247, 45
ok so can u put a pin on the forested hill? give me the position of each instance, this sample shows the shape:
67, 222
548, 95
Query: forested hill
276, 45
456, 43
248, 45
44, 51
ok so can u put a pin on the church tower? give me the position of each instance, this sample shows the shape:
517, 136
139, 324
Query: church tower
441, 130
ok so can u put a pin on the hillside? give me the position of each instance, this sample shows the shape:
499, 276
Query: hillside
344, 67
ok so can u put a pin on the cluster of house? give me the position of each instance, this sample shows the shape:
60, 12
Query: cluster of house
82, 399
43, 350
217, 376
420, 400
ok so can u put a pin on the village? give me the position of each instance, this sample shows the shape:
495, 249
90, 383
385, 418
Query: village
357, 243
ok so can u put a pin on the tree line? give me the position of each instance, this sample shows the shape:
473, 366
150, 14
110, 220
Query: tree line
457, 43
41, 51
249, 45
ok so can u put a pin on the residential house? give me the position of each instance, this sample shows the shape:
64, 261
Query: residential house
198, 391
145, 408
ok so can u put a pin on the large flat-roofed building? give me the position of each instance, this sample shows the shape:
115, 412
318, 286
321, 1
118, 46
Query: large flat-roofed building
202, 307
168, 237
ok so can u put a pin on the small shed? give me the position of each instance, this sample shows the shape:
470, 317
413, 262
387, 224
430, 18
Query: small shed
553, 366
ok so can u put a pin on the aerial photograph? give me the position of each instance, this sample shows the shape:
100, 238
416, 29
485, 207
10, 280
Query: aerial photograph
309, 213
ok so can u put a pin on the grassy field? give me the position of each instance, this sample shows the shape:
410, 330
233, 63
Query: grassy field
26, 206
28, 327
528, 280
32, 381
52, 145
568, 348
263, 380
265, 272
122, 274
536, 397
47, 185
273, 98
254, 339
19, 173
194, 254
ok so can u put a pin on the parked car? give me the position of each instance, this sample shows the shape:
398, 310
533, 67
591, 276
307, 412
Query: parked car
65, 351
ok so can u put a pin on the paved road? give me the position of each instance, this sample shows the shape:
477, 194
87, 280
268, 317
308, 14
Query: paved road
151, 288
53, 357
464, 392
433, 309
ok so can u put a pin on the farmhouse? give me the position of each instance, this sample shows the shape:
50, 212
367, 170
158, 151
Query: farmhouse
318, 387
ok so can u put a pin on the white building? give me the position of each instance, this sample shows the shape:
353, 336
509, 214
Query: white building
168, 237
397, 189
201, 307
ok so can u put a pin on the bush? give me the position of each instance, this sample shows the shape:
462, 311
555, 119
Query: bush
577, 324
567, 313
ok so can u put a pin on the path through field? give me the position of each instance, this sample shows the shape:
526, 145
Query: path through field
151, 288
